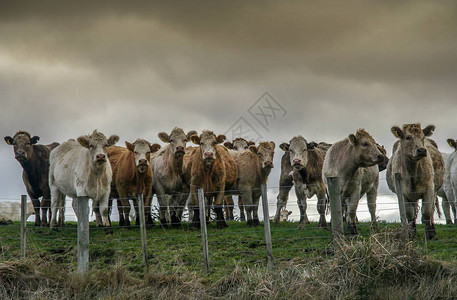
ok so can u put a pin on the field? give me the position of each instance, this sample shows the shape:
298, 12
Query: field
237, 261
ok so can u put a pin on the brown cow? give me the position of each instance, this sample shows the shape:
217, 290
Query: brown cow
286, 181
168, 171
132, 175
238, 144
253, 166
421, 166
354, 160
306, 160
211, 168
34, 159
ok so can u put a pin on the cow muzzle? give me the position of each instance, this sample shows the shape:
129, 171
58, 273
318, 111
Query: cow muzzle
268, 164
100, 158
142, 168
20, 156
420, 152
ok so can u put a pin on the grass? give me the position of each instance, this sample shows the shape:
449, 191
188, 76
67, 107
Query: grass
362, 266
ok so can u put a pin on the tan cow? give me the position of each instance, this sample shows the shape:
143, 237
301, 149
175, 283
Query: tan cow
421, 166
81, 168
211, 168
306, 160
132, 175
168, 171
253, 166
238, 144
354, 161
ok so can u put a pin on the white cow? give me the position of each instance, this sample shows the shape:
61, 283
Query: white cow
449, 189
81, 168
10, 211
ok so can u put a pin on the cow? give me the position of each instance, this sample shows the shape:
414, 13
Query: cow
238, 144
449, 188
34, 159
253, 167
10, 211
211, 168
417, 159
305, 161
132, 175
354, 161
81, 168
168, 175
284, 215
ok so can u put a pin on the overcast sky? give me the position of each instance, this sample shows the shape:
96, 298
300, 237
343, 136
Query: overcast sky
138, 68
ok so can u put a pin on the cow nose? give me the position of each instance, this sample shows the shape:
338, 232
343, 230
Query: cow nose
297, 161
380, 158
268, 164
180, 149
143, 161
421, 151
209, 154
20, 153
100, 157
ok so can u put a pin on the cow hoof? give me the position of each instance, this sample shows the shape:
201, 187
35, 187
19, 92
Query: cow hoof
374, 226
352, 229
109, 230
250, 223
221, 225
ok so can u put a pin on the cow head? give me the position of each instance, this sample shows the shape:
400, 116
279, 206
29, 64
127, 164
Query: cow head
284, 214
238, 144
298, 151
412, 140
142, 150
207, 141
452, 143
177, 140
366, 152
383, 164
265, 151
22, 143
98, 145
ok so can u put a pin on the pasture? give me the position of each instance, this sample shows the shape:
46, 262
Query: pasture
175, 255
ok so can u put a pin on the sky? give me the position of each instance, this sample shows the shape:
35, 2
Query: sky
269, 70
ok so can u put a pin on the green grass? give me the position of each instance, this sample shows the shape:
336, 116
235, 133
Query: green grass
177, 251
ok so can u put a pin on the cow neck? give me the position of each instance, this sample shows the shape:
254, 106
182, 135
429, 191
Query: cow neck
410, 168
261, 172
350, 166
176, 164
31, 170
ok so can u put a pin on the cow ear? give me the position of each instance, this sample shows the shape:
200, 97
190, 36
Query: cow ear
34, 140
272, 144
191, 133
220, 138
398, 133
9, 140
228, 145
113, 139
428, 131
353, 139
284, 147
129, 146
83, 141
253, 149
195, 139
311, 145
251, 143
164, 137
452, 143
154, 148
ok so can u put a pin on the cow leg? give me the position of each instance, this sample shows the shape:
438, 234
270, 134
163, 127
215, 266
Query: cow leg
126, 211
247, 203
45, 206
255, 210
56, 195
371, 202
175, 209
37, 207
61, 210
302, 205
285, 184
228, 207
242, 208
120, 209
218, 208
103, 207
427, 214
353, 202
452, 200
410, 207
163, 207
321, 207
446, 209
98, 216
147, 209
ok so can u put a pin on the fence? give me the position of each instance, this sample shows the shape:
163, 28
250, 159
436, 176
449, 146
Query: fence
214, 245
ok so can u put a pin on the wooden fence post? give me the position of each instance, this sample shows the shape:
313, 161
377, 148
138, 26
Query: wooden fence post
266, 221
83, 234
335, 207
144, 242
23, 224
202, 210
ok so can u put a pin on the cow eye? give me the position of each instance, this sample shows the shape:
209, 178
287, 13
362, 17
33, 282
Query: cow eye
365, 144
91, 146
408, 138
171, 141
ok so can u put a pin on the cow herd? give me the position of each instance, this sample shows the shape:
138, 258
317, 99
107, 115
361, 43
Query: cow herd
93, 167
